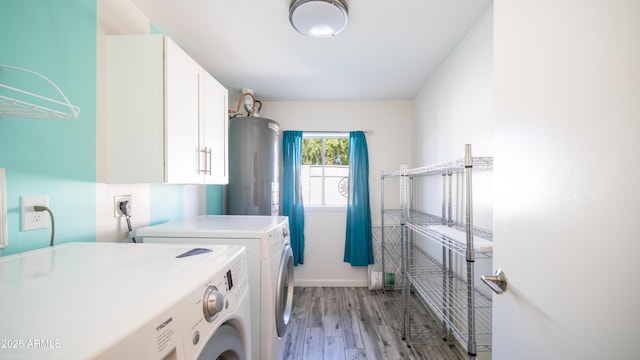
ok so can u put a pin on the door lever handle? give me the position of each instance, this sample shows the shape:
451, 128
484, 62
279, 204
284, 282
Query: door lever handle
497, 282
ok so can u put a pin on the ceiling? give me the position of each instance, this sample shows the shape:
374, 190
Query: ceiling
387, 51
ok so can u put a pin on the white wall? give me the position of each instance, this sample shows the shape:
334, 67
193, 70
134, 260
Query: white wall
454, 108
122, 17
389, 123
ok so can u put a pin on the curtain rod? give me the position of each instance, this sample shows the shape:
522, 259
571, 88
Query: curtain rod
368, 132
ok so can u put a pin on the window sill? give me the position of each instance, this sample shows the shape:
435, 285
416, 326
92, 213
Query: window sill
319, 208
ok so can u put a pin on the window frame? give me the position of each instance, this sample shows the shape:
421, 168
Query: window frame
324, 135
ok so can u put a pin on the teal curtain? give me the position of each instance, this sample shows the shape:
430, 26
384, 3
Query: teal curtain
292, 191
358, 249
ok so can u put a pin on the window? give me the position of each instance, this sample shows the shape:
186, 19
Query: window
325, 168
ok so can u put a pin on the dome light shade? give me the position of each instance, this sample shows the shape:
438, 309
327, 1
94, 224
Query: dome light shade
319, 18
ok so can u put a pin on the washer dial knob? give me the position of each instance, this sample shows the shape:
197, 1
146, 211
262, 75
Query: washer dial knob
213, 303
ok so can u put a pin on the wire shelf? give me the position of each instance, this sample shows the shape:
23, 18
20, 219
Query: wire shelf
447, 295
426, 225
394, 214
456, 166
393, 174
26, 107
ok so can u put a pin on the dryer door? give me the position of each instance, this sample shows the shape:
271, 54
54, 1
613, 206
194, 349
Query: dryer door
225, 343
284, 291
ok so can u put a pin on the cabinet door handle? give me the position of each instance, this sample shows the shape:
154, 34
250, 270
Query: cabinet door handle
497, 282
210, 167
200, 169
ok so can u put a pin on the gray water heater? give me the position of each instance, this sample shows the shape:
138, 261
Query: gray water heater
254, 166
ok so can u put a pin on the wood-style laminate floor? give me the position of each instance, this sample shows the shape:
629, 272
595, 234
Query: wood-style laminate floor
355, 323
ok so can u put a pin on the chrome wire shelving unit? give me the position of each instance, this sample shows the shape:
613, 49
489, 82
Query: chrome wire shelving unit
451, 295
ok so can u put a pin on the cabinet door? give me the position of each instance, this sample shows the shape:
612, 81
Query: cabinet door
214, 130
182, 82
135, 109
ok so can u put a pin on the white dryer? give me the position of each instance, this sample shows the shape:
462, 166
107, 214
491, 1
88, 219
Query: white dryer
125, 301
270, 263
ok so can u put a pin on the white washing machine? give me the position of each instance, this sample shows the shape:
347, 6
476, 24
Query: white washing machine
270, 267
125, 301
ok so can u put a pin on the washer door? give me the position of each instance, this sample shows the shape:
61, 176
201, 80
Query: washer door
225, 344
284, 291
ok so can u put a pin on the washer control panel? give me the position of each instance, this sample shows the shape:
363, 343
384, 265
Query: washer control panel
212, 304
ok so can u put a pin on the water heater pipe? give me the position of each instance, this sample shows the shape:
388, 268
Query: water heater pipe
253, 104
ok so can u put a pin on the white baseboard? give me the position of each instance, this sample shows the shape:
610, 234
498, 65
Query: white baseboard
330, 283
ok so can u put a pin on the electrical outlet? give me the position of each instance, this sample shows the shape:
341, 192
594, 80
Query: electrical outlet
116, 205
31, 219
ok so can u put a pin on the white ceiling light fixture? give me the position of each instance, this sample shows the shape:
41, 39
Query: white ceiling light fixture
319, 18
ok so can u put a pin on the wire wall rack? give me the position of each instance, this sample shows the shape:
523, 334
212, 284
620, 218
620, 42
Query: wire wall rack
15, 102
464, 310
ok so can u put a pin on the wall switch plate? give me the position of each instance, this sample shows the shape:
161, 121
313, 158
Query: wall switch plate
4, 238
31, 219
116, 205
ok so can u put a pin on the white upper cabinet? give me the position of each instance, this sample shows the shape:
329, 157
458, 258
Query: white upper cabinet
167, 117
214, 133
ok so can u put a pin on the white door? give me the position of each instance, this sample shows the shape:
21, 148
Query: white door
567, 179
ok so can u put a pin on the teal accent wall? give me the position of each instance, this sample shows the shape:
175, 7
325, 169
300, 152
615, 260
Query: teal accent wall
154, 29
215, 199
54, 158
57, 158
166, 203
